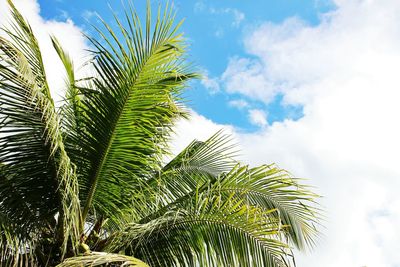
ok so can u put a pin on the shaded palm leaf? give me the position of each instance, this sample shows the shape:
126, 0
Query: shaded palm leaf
12, 243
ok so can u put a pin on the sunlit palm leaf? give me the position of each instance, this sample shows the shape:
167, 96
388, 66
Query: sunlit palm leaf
198, 164
37, 177
207, 230
102, 259
265, 187
128, 120
270, 187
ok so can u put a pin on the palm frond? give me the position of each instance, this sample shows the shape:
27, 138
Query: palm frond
37, 179
199, 164
207, 230
14, 246
133, 104
267, 188
71, 111
213, 156
270, 187
102, 259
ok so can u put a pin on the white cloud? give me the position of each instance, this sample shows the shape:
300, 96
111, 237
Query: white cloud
67, 33
63, 15
197, 127
212, 84
344, 72
258, 117
246, 76
219, 33
238, 17
89, 14
235, 15
239, 103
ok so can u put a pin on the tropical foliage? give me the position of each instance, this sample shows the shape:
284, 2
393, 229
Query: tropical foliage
86, 184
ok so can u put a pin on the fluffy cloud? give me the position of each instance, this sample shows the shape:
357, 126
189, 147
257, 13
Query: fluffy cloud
212, 84
344, 72
246, 76
69, 35
238, 103
258, 117
197, 127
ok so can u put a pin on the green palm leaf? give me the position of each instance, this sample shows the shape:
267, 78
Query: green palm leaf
11, 243
128, 114
288, 204
37, 178
207, 230
198, 164
270, 187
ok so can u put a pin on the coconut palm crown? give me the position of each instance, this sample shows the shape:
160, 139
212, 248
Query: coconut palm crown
86, 184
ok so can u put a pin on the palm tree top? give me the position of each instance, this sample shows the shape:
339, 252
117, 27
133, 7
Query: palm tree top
86, 184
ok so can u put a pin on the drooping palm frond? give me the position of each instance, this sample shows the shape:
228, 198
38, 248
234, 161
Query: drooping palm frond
72, 113
198, 164
266, 188
102, 259
14, 245
38, 180
206, 230
270, 187
213, 156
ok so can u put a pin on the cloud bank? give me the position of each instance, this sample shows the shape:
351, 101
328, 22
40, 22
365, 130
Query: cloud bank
344, 72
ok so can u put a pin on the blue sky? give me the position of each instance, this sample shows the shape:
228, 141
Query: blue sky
215, 31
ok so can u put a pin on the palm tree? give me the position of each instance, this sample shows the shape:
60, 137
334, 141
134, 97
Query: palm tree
86, 184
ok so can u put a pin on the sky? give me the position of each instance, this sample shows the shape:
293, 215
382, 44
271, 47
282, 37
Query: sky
311, 85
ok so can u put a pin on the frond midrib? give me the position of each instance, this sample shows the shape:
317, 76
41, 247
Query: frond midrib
95, 178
